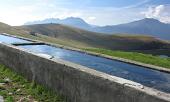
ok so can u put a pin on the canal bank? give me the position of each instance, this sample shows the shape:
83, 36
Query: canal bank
150, 66
78, 83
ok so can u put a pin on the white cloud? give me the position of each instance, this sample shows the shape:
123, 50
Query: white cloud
160, 12
18, 14
136, 5
154, 12
91, 18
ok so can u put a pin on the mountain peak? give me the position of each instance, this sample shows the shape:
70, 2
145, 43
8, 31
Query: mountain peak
71, 21
144, 22
150, 20
74, 19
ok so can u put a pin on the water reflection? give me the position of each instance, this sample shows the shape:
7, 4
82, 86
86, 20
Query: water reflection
10, 40
148, 77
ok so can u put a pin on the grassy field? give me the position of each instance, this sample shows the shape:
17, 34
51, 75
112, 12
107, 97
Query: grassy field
15, 88
144, 58
74, 36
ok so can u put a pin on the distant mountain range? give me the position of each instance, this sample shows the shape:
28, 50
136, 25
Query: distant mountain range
71, 21
147, 26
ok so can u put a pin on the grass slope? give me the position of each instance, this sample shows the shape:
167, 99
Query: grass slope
144, 58
78, 38
4, 28
18, 89
91, 39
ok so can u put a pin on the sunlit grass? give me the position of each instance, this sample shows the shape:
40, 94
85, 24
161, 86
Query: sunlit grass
26, 88
144, 58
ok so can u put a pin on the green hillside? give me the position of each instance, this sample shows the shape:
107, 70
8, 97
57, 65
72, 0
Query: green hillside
139, 57
75, 36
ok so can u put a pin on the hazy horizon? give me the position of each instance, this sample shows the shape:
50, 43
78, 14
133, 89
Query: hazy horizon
94, 12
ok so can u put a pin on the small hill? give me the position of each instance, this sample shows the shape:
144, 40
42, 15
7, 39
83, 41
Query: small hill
4, 28
92, 39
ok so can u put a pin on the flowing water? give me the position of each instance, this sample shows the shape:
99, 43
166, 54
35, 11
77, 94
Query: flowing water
148, 77
10, 40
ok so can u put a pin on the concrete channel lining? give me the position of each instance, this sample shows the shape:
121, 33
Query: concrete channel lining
76, 82
162, 69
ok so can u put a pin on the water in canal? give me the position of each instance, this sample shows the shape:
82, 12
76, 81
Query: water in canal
148, 77
11, 40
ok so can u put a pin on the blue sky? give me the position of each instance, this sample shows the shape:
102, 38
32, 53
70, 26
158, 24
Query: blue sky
97, 12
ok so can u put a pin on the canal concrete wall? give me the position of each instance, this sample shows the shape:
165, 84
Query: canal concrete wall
75, 82
154, 67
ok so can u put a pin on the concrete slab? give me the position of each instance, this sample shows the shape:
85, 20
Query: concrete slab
77, 83
45, 55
